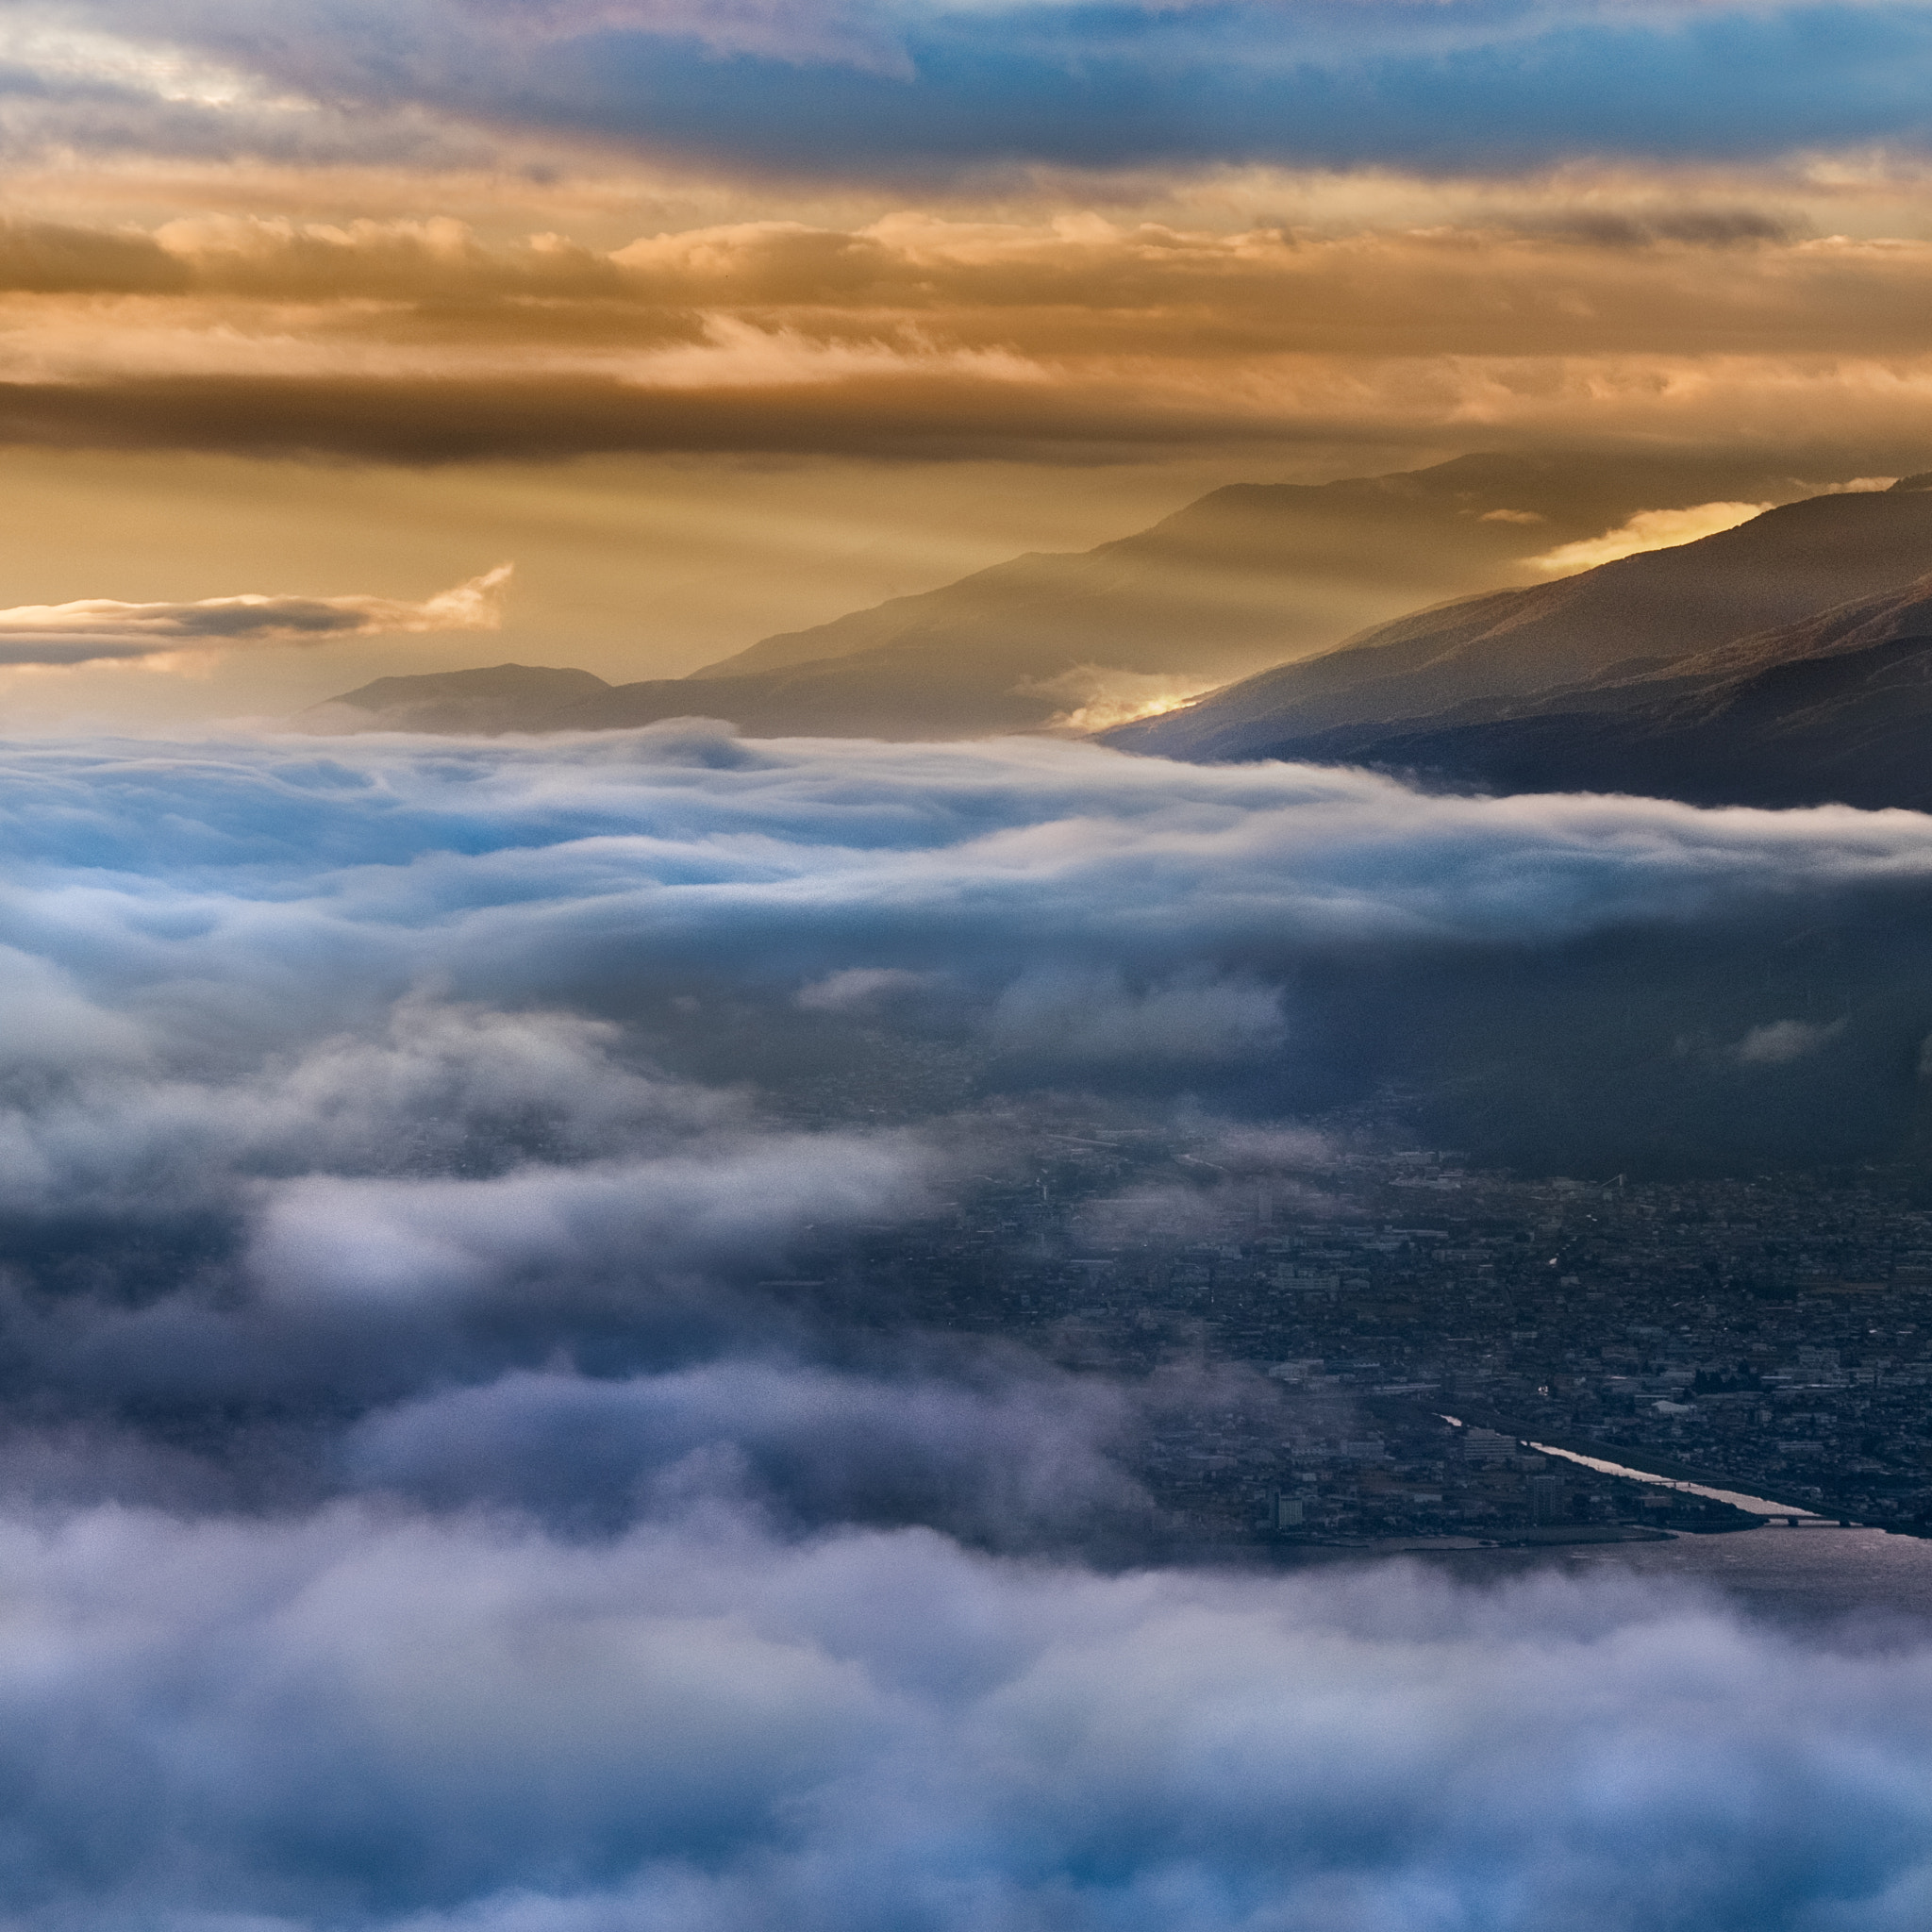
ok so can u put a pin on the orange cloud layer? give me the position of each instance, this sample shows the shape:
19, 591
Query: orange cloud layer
416, 340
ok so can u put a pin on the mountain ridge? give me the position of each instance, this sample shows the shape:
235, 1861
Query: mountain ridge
1242, 578
1224, 556
1837, 710
1785, 566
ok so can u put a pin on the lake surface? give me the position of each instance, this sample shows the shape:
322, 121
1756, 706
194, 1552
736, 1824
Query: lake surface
1876, 1585
1809, 1575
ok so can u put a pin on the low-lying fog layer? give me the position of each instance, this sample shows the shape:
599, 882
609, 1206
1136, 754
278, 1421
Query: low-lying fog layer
422, 1510
373, 1717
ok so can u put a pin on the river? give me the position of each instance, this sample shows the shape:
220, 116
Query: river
1789, 1514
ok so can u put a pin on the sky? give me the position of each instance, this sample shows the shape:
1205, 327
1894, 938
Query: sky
724, 319
419, 1511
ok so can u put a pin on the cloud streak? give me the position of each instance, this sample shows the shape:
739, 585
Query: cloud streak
1649, 529
102, 629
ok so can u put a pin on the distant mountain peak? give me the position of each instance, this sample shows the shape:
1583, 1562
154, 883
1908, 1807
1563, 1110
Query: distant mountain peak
494, 698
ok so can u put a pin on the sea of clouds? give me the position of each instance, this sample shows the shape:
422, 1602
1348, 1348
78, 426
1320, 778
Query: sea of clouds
421, 1507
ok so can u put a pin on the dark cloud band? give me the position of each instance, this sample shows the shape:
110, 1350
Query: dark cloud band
441, 421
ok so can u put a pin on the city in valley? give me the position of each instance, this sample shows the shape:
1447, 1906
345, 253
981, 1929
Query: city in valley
1394, 1348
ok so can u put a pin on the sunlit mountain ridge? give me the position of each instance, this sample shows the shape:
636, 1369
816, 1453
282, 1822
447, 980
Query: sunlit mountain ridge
1246, 578
1786, 661
1782, 662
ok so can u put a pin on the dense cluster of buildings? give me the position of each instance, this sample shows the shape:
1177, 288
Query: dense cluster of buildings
1370, 1348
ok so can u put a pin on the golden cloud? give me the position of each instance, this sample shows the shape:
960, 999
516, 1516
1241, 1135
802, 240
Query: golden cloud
416, 340
92, 630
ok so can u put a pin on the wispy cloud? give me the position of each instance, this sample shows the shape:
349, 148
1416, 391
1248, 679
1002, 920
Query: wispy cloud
98, 629
1649, 529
